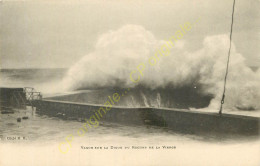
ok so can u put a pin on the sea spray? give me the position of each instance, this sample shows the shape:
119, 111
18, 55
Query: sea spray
118, 52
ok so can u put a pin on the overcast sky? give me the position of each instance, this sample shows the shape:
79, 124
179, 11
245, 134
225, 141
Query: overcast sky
58, 33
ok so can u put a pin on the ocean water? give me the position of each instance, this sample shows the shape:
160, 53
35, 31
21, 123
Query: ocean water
36, 140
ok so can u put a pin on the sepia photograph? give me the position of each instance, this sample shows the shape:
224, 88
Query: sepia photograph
129, 82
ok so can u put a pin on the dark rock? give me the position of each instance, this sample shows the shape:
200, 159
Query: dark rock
19, 119
7, 112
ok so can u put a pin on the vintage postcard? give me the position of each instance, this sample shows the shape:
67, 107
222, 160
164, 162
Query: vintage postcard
129, 83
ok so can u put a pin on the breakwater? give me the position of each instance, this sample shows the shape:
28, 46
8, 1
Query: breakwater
180, 120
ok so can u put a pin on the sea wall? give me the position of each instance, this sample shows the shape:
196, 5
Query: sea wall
184, 121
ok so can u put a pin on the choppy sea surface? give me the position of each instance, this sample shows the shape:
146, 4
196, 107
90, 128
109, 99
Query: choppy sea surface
38, 137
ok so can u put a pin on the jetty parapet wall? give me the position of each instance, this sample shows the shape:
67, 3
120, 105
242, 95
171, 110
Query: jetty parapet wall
174, 119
